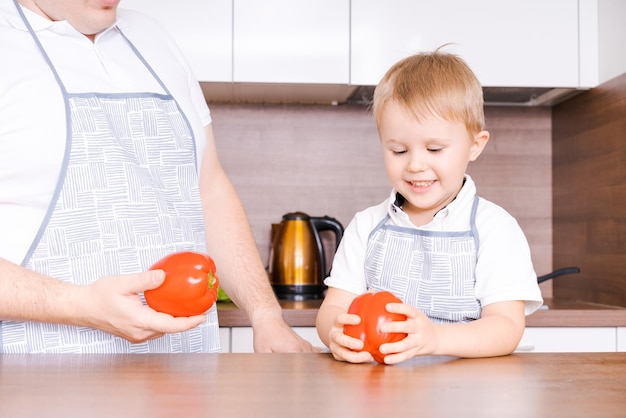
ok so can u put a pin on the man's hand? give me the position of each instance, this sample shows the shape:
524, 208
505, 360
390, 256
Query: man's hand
273, 335
112, 304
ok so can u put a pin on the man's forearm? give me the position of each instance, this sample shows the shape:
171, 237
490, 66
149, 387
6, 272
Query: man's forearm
29, 296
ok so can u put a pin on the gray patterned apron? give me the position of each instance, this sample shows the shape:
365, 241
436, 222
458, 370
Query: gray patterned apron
127, 195
431, 270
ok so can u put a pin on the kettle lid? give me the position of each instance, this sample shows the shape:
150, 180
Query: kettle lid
296, 216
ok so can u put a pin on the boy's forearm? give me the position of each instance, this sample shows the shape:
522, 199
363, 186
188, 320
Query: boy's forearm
490, 336
325, 320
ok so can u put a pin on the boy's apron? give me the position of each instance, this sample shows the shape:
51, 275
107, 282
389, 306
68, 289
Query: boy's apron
127, 195
434, 271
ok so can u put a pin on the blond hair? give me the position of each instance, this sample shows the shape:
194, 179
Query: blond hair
433, 84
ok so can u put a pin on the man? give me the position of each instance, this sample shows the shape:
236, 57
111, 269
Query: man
107, 163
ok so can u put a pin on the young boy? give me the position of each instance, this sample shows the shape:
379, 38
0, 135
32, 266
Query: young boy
460, 264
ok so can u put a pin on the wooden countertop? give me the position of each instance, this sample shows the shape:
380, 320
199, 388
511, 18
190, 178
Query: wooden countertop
556, 314
296, 313
577, 314
310, 385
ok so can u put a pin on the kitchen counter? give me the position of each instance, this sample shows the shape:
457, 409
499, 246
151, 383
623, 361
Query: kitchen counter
310, 385
296, 313
555, 313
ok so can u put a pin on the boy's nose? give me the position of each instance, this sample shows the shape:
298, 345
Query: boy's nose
417, 163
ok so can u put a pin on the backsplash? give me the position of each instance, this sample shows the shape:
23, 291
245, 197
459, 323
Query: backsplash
325, 160
590, 193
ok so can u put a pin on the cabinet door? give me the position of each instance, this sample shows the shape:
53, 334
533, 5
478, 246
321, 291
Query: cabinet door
532, 43
285, 41
225, 339
621, 339
562, 339
202, 29
241, 338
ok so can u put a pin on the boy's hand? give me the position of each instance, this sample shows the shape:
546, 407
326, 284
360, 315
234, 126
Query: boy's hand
421, 334
496, 333
342, 346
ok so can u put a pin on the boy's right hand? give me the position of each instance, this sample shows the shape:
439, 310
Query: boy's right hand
344, 347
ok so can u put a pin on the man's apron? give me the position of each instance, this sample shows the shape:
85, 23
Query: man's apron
432, 270
127, 195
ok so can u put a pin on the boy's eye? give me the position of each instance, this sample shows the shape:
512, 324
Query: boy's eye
434, 150
398, 152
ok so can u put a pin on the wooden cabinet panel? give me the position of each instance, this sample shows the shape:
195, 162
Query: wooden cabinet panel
589, 188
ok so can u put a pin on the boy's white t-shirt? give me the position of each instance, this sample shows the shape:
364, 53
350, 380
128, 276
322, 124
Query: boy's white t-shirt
504, 269
33, 128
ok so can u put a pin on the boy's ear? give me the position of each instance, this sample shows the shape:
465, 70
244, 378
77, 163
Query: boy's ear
480, 141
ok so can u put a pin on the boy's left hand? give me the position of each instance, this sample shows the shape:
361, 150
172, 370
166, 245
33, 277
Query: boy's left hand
421, 334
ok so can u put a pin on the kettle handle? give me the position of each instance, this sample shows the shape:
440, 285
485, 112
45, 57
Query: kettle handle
326, 223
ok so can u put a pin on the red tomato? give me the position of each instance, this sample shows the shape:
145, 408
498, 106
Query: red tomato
371, 308
190, 286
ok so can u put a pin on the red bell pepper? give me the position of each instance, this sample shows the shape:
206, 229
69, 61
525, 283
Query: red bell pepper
190, 286
371, 308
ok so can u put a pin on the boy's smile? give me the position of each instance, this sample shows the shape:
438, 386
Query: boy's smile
426, 159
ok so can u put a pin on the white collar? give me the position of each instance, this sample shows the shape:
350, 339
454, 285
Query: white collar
464, 198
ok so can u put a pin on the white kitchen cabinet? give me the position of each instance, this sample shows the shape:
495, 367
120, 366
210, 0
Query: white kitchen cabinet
285, 41
532, 43
225, 339
568, 339
508, 43
242, 342
202, 29
621, 339
534, 340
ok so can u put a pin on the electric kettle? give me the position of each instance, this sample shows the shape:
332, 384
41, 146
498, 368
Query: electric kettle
297, 265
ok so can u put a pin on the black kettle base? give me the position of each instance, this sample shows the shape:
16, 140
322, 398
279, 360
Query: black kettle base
299, 292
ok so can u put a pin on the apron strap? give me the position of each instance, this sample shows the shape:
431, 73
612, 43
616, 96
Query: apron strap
473, 222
